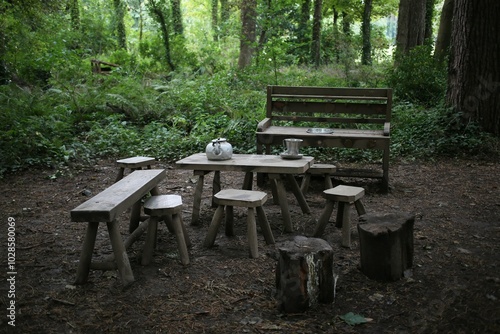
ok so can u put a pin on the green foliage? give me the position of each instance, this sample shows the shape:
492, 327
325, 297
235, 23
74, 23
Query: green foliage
418, 77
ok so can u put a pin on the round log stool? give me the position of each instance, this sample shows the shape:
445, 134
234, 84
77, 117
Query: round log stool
133, 164
346, 196
325, 170
251, 199
168, 208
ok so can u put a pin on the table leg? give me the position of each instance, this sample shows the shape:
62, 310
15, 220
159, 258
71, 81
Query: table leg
282, 200
82, 272
120, 252
197, 197
299, 195
135, 216
215, 187
248, 182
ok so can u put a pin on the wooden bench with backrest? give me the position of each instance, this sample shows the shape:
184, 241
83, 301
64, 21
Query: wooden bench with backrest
105, 207
330, 117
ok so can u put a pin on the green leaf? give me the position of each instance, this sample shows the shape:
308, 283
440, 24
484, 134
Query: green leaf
354, 319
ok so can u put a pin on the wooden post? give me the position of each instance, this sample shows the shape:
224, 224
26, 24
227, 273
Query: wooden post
386, 245
304, 274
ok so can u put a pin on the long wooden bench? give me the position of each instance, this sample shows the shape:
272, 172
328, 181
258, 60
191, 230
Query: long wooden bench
105, 207
330, 117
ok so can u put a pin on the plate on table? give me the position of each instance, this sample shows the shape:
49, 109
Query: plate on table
285, 155
320, 130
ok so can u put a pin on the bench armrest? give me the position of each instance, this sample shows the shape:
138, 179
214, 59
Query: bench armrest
387, 128
264, 124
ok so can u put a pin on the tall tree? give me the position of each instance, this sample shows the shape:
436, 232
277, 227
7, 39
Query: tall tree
160, 14
215, 19
411, 25
177, 17
316, 32
74, 12
429, 15
303, 32
248, 30
120, 24
474, 69
444, 33
366, 55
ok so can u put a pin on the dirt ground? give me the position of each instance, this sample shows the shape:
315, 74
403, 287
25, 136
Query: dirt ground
453, 287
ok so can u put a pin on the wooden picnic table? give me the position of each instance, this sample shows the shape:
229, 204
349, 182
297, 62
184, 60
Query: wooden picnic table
277, 168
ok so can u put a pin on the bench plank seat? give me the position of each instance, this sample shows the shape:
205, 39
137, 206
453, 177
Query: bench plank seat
359, 117
108, 204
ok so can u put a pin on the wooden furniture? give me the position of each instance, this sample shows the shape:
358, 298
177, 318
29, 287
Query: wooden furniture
135, 163
345, 196
304, 274
105, 207
168, 208
102, 67
329, 117
325, 170
386, 245
253, 200
277, 168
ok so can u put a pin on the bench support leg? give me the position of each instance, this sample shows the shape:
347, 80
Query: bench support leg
181, 239
264, 225
121, 256
214, 227
281, 195
252, 234
198, 190
82, 273
323, 219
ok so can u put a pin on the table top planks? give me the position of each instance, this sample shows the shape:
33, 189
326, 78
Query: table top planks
256, 163
108, 204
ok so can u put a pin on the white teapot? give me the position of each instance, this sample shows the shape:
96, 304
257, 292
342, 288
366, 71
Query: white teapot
219, 149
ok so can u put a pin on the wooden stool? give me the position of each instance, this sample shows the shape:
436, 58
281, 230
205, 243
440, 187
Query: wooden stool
133, 164
318, 169
345, 196
168, 208
229, 198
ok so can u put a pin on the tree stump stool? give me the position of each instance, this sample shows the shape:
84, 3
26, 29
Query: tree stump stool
135, 163
386, 245
253, 200
168, 208
325, 170
345, 196
304, 274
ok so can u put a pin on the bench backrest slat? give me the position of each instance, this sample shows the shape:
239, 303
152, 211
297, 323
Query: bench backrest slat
108, 204
329, 105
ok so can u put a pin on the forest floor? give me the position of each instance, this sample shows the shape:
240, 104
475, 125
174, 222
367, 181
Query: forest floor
453, 287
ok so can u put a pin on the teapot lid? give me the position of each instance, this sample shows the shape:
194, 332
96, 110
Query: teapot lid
218, 140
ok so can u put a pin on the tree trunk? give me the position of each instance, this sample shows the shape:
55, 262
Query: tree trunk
429, 14
162, 21
247, 39
443, 39
366, 57
411, 25
177, 17
215, 19
474, 68
316, 32
120, 24
74, 9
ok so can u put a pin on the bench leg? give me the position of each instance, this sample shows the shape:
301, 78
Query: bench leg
121, 256
82, 272
359, 207
304, 186
252, 234
248, 182
214, 227
323, 219
328, 181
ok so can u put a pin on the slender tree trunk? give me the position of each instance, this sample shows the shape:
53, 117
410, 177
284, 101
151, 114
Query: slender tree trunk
224, 17
247, 39
444, 33
215, 19
177, 17
429, 14
74, 9
120, 24
303, 36
316, 32
474, 68
411, 25
162, 21
366, 56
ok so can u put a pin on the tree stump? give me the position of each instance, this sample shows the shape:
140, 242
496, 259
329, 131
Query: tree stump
304, 274
386, 245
